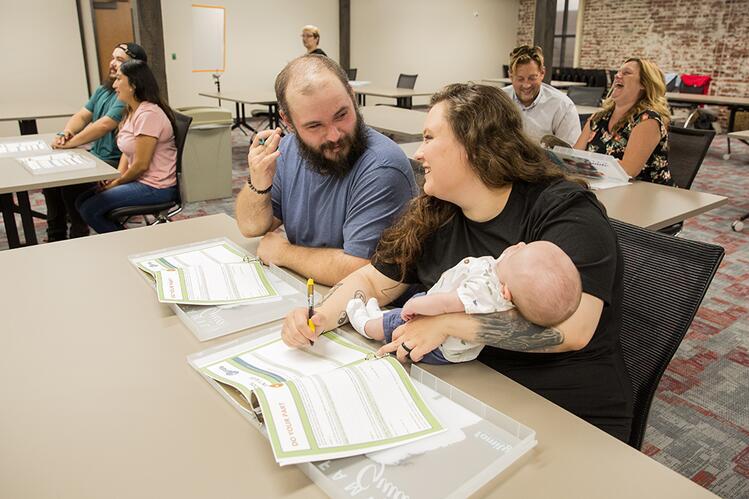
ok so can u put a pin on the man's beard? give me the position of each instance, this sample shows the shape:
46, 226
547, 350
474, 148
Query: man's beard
339, 167
108, 82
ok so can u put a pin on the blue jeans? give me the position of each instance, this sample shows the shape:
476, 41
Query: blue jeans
392, 319
94, 205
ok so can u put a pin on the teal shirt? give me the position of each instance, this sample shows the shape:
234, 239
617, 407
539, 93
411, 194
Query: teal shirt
104, 102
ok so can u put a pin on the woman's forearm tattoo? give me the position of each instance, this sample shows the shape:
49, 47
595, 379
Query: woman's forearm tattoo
511, 331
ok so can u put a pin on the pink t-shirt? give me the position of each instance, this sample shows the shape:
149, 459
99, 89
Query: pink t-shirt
150, 120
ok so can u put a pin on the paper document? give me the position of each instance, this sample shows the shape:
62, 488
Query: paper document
212, 275
214, 284
599, 170
331, 400
12, 148
57, 162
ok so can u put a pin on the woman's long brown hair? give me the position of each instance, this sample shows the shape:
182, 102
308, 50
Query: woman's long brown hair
489, 125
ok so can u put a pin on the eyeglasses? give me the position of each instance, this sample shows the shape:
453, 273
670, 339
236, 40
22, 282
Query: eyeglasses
305, 35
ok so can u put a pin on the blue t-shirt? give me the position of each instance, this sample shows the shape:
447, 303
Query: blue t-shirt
104, 102
322, 211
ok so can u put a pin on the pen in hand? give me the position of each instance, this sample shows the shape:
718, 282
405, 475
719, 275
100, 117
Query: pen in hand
310, 304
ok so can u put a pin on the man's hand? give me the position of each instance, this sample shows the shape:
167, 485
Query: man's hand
421, 335
262, 158
61, 139
272, 247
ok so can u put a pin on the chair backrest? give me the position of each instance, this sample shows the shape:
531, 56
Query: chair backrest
182, 125
586, 96
687, 148
351, 73
406, 81
665, 280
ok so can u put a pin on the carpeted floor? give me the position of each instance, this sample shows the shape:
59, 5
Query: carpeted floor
699, 422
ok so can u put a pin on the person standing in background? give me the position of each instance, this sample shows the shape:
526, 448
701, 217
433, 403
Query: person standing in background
311, 40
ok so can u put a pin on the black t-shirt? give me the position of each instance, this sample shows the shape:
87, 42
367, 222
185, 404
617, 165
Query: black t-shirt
591, 383
319, 51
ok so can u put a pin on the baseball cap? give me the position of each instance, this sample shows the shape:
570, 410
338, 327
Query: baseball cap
134, 51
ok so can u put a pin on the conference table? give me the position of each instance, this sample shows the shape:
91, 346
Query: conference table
554, 83
399, 94
27, 124
394, 120
239, 100
644, 204
734, 104
742, 136
99, 400
15, 179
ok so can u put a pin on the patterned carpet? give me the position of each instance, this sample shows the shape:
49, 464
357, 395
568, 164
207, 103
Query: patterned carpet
699, 423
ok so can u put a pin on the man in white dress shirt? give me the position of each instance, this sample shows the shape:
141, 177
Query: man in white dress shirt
545, 110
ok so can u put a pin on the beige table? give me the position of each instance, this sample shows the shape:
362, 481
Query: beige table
733, 103
15, 179
644, 204
401, 95
27, 124
240, 119
99, 401
742, 136
389, 119
553, 83
655, 206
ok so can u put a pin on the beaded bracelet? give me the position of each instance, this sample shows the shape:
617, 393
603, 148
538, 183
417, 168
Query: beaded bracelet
253, 189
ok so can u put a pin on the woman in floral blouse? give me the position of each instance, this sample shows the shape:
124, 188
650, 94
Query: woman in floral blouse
633, 126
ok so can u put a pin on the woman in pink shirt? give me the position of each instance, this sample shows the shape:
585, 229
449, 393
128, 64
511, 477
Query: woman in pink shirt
149, 154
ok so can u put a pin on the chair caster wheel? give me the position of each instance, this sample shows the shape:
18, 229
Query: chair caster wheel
737, 226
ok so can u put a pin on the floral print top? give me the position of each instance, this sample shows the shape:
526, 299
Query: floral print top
603, 142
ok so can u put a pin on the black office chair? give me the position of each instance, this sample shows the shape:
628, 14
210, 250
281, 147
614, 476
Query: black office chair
351, 73
505, 71
406, 81
665, 280
686, 151
162, 212
586, 96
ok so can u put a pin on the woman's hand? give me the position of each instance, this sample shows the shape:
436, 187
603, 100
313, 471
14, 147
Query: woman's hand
296, 332
421, 335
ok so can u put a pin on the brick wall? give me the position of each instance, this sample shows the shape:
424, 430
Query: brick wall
682, 36
526, 20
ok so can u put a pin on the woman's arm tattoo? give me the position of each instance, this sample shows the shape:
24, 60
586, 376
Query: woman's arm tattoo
511, 331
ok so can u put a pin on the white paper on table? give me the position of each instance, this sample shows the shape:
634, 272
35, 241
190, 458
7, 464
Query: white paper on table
214, 283
363, 407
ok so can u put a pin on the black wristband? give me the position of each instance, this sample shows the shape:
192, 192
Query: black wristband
253, 189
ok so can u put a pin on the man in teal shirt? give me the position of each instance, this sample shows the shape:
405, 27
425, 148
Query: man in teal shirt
95, 123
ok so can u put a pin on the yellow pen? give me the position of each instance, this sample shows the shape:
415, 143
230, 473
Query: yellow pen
310, 303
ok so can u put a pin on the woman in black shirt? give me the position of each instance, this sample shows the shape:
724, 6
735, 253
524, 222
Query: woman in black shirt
487, 187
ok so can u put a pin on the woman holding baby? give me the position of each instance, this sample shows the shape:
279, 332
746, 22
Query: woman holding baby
487, 188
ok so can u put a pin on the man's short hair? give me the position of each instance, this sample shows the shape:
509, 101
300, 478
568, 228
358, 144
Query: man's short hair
313, 30
304, 67
525, 54
133, 51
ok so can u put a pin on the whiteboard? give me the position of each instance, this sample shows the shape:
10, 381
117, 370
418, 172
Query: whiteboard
208, 38
43, 70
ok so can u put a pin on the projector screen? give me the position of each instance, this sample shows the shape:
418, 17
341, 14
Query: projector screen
43, 72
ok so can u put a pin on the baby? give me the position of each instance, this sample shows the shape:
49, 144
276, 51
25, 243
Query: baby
538, 278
